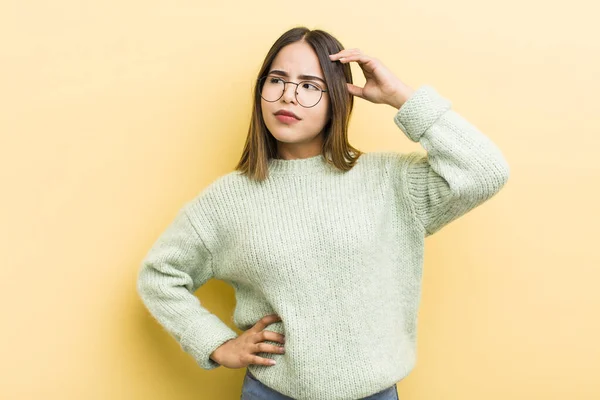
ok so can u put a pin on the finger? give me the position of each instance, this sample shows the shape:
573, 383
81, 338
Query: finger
260, 360
359, 58
344, 53
348, 51
355, 90
273, 336
339, 56
264, 321
268, 348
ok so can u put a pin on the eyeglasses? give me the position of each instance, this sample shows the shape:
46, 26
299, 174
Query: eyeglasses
307, 93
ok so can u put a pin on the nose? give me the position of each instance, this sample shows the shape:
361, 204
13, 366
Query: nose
289, 93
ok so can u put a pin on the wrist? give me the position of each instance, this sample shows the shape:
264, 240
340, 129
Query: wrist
403, 93
216, 354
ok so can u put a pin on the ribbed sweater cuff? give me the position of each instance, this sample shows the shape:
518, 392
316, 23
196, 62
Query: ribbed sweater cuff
420, 111
203, 337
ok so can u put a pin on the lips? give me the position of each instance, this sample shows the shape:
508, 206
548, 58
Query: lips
287, 113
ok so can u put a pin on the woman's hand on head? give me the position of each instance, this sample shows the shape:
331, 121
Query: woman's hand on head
239, 352
381, 85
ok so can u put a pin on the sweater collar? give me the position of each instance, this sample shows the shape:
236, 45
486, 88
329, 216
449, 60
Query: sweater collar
299, 166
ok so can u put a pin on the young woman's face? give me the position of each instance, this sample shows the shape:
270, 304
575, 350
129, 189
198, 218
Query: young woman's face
302, 137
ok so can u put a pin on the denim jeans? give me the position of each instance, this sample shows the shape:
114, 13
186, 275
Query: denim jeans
253, 389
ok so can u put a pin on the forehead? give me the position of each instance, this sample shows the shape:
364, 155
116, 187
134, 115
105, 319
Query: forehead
297, 59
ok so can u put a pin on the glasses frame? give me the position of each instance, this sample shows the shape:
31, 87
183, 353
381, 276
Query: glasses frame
284, 87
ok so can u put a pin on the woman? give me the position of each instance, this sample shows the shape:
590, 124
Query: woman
323, 243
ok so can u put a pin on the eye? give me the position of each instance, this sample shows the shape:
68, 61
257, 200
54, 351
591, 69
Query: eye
274, 80
310, 86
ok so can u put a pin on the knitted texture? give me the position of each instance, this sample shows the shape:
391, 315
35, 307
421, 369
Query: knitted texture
337, 255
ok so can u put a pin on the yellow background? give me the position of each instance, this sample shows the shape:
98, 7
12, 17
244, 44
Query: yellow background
113, 114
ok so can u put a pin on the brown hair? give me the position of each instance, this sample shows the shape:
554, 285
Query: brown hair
261, 146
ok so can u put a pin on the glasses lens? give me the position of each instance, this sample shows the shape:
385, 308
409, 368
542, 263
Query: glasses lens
309, 94
272, 88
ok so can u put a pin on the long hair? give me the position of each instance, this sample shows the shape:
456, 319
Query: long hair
260, 144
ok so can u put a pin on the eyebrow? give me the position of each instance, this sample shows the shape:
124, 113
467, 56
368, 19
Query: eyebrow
283, 73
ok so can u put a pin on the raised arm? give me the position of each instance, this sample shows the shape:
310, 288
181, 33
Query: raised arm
175, 267
461, 169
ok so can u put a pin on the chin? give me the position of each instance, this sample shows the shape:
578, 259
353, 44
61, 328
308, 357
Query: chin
286, 138
283, 132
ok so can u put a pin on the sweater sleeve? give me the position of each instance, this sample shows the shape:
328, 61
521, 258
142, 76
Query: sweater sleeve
175, 267
461, 169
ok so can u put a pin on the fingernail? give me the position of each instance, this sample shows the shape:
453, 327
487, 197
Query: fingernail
273, 362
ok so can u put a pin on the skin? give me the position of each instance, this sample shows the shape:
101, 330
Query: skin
239, 352
303, 138
381, 86
300, 140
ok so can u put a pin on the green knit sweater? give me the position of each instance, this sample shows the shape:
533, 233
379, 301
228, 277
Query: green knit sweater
337, 255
